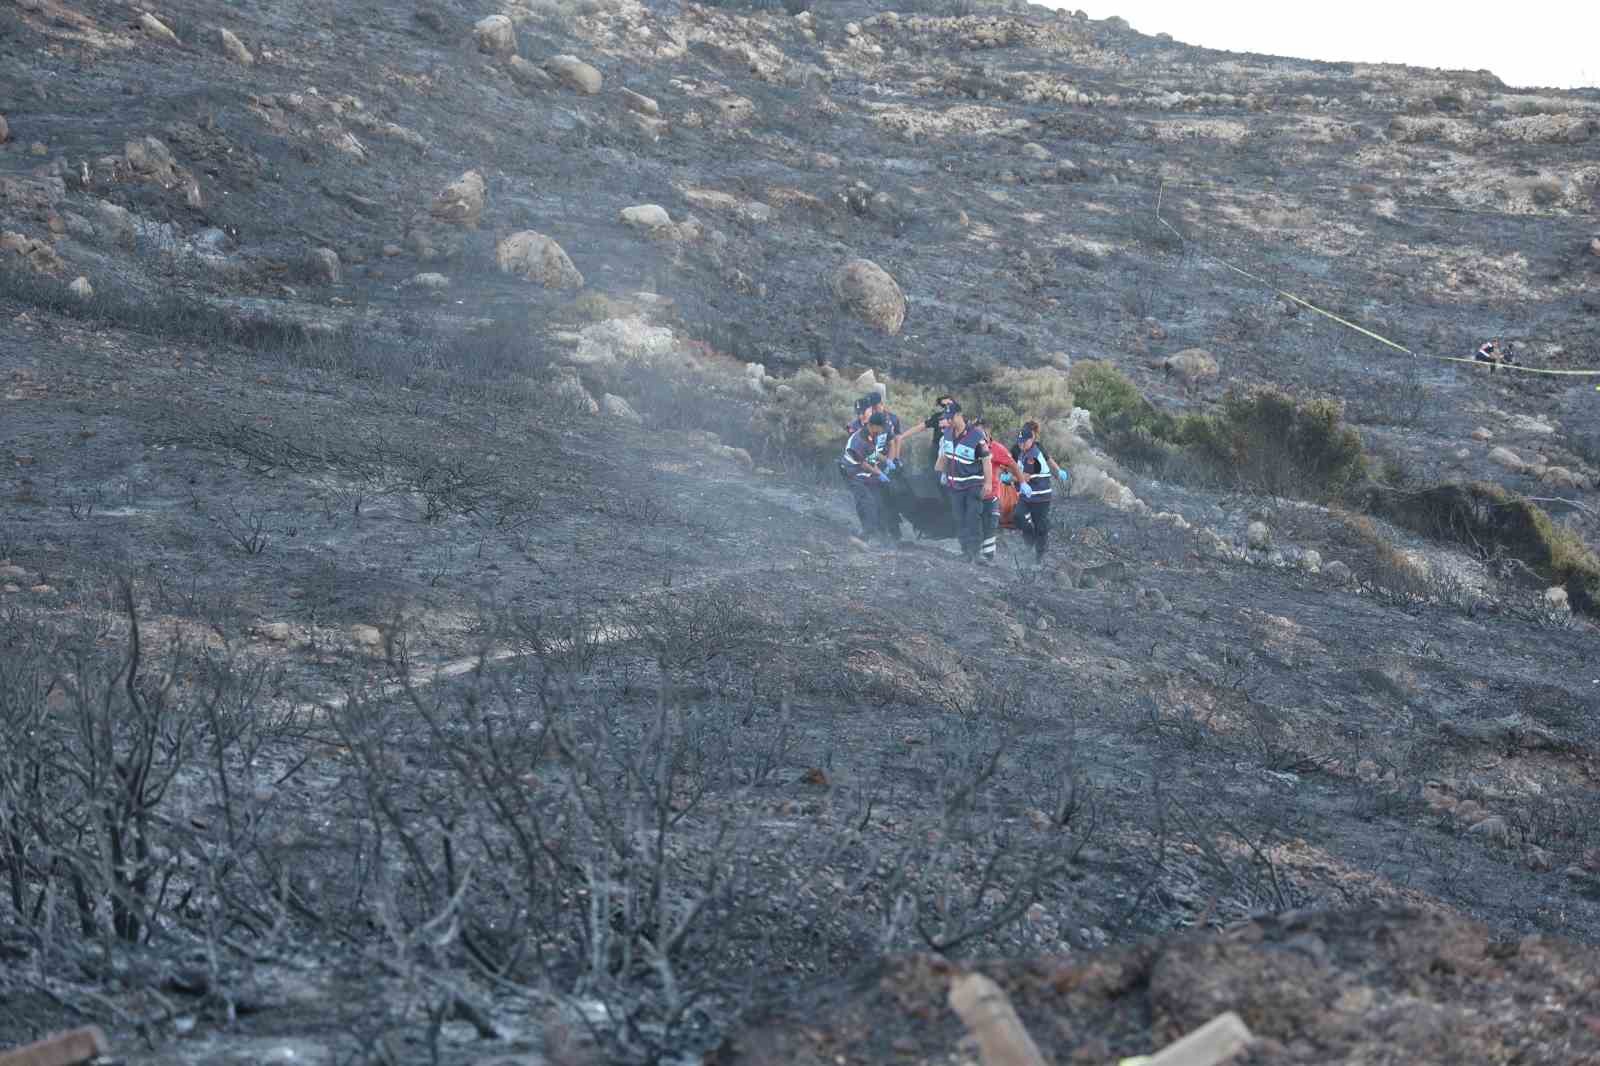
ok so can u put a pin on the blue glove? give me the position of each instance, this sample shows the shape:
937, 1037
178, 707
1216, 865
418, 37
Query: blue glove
1005, 477
1026, 490
883, 477
1061, 472
892, 464
944, 479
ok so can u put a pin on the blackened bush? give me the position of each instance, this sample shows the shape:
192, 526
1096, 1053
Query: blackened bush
1275, 445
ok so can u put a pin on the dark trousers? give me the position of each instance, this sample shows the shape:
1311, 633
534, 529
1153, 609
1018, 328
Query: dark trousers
1033, 519
989, 533
967, 509
869, 506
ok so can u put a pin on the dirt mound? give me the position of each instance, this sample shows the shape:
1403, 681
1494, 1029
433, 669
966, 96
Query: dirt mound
1389, 986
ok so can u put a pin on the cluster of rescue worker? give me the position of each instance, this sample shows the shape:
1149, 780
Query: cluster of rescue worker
1496, 355
970, 465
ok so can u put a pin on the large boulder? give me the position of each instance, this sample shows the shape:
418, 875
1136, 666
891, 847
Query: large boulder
1503, 456
234, 48
323, 265
496, 36
652, 217
1192, 366
539, 259
871, 294
574, 73
157, 30
461, 202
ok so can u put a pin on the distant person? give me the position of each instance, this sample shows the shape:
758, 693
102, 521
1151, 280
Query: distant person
964, 468
860, 466
1496, 356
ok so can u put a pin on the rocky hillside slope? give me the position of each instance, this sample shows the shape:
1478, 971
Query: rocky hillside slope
440, 389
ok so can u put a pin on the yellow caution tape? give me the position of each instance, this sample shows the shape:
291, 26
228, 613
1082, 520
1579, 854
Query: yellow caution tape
1362, 329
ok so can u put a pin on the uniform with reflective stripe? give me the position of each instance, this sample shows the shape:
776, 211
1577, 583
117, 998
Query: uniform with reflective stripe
964, 459
854, 461
1037, 468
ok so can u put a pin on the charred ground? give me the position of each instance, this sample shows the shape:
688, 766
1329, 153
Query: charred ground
462, 710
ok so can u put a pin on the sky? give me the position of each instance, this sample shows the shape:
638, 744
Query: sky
1531, 43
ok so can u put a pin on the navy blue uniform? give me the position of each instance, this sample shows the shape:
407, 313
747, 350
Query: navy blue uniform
963, 468
865, 488
1034, 521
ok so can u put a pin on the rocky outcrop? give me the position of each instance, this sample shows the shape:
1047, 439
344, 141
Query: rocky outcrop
38, 254
869, 292
81, 289
149, 158
461, 202
539, 259
574, 73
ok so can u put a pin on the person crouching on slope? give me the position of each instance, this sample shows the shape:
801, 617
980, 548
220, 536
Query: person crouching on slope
964, 467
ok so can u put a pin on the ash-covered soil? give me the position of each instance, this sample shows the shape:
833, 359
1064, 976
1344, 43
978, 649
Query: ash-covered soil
489, 726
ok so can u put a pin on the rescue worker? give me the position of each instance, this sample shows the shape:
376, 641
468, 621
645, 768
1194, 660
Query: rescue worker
881, 428
1491, 352
866, 477
1036, 489
964, 469
875, 405
937, 422
1001, 466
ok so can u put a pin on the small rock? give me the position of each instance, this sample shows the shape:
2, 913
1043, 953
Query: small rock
1258, 537
392, 250
1539, 860
5, 130
639, 102
323, 264
528, 74
539, 259
278, 632
366, 636
1463, 453
429, 281
852, 29
1036, 151
234, 48
496, 36
1059, 360
574, 73
1494, 828
1338, 572
647, 216
1555, 598
1507, 458
615, 406
155, 28
1151, 599
12, 573
1560, 477
1311, 561
81, 289
1594, 242
150, 157
1482, 434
